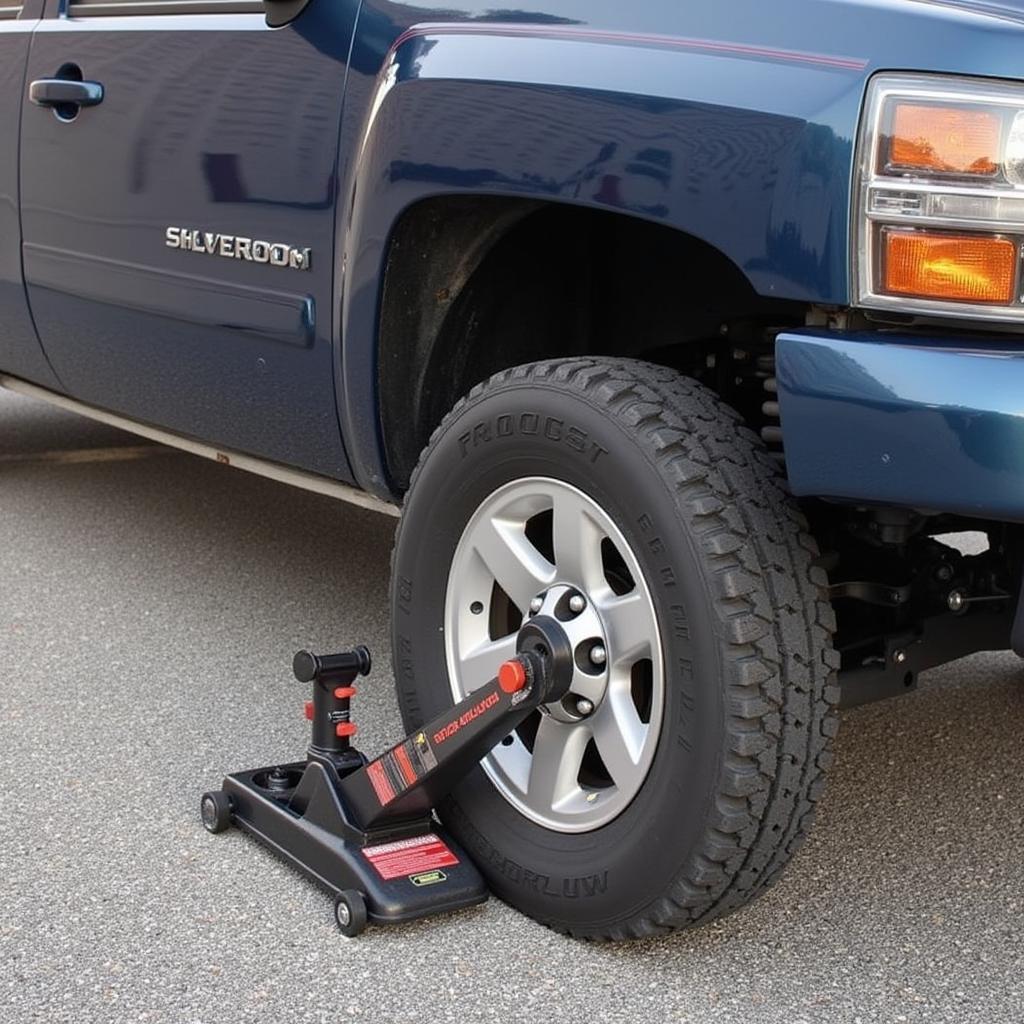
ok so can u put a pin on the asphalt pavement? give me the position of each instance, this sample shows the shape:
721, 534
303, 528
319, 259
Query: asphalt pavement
149, 605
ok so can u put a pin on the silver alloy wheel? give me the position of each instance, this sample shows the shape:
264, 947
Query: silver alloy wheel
539, 545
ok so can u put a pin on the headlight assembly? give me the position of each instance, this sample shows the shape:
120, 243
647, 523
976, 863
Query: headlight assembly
939, 197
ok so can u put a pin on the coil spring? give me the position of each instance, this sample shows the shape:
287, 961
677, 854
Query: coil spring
771, 431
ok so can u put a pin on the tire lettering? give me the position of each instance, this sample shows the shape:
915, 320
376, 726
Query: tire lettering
571, 887
531, 424
553, 429
576, 439
678, 662
404, 588
680, 625
406, 666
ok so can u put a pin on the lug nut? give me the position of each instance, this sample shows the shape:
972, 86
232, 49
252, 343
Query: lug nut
598, 655
577, 603
584, 707
536, 604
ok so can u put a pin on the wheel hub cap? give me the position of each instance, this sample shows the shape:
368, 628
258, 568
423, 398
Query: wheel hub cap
586, 635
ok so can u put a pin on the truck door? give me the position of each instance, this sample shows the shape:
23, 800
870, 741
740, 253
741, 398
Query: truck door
20, 352
178, 196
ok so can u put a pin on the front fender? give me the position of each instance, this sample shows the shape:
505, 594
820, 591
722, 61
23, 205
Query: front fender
745, 148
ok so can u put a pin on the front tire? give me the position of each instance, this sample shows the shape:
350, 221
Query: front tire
711, 783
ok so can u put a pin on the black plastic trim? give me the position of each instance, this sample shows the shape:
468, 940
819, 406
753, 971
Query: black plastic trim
284, 12
127, 8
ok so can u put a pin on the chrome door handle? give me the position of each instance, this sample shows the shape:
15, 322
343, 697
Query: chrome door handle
55, 92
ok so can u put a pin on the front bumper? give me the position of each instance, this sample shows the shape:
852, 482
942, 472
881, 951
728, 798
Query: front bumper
895, 419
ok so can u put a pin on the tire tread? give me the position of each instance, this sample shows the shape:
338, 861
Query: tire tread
776, 624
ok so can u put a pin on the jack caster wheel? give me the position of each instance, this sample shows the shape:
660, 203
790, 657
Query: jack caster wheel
215, 808
350, 913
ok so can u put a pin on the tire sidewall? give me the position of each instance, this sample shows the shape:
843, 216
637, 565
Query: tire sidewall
530, 429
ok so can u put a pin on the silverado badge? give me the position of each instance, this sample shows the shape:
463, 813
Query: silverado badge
235, 247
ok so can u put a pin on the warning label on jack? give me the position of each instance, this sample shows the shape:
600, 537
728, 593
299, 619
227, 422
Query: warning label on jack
410, 856
401, 767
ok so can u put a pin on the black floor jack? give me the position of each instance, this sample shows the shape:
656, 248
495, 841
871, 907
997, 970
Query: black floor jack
365, 830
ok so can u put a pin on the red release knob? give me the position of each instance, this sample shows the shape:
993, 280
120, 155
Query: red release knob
345, 691
512, 676
346, 729
309, 710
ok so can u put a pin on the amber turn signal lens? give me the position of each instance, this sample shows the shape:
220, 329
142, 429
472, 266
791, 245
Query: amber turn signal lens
949, 140
957, 268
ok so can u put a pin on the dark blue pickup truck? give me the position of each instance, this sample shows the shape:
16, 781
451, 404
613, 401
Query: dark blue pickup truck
695, 325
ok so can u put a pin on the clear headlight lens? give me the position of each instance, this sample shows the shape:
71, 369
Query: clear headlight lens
939, 200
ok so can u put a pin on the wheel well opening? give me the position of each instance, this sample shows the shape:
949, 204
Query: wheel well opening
474, 285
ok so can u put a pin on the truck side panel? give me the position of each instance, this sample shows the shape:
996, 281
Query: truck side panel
20, 352
215, 127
